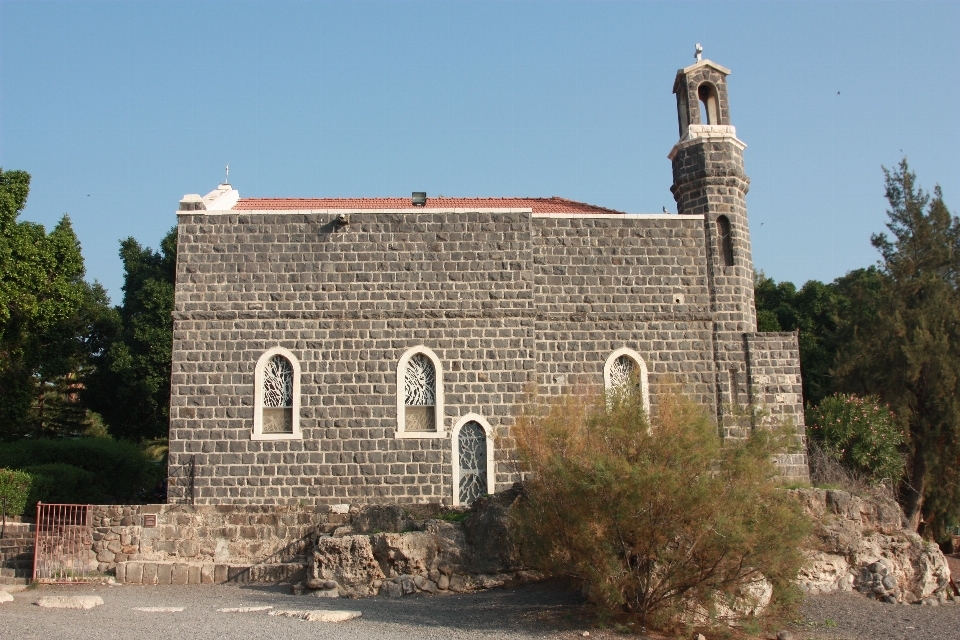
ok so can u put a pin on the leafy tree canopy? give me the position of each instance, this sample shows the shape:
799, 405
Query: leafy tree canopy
131, 384
46, 311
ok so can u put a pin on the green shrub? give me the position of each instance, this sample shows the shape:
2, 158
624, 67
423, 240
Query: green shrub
860, 433
15, 487
654, 519
94, 470
61, 483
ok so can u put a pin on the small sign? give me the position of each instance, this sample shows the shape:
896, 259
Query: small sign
150, 520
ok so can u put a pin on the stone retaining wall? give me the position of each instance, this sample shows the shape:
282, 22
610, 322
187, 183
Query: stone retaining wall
186, 543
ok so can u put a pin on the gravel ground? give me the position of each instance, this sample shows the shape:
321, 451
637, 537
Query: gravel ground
534, 611
853, 617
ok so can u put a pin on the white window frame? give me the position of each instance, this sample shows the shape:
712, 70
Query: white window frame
644, 384
401, 395
257, 433
455, 458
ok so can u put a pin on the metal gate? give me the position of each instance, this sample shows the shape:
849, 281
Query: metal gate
64, 545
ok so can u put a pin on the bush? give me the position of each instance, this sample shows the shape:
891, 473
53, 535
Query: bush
658, 520
85, 470
15, 487
860, 433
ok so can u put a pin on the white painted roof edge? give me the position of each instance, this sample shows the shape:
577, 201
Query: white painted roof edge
612, 216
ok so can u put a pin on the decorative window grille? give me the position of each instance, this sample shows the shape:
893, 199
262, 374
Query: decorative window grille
420, 394
472, 460
277, 405
624, 374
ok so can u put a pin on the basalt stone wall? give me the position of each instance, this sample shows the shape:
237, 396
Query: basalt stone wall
601, 284
504, 299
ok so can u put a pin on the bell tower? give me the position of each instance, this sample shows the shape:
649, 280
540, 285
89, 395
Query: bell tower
709, 181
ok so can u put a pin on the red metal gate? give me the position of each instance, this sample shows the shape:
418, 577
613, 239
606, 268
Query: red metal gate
64, 546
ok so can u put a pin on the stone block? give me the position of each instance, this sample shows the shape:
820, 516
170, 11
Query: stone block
164, 573
193, 576
220, 573
133, 573
149, 573
206, 573
180, 573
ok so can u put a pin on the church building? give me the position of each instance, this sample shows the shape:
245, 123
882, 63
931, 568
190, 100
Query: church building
362, 350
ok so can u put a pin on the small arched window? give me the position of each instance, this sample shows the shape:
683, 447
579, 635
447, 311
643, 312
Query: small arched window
473, 460
625, 371
419, 394
709, 110
725, 240
276, 410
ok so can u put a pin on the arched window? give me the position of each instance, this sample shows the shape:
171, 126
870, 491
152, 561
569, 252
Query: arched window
473, 466
276, 405
623, 369
419, 394
726, 242
709, 111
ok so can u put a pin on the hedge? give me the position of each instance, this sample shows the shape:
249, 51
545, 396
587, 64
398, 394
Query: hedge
15, 487
86, 470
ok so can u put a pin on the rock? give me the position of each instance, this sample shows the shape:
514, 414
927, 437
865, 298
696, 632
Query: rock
327, 593
391, 590
315, 583
866, 533
70, 602
407, 584
698, 636
297, 589
319, 616
349, 561
487, 533
5, 597
381, 518
889, 599
330, 584
930, 602
443, 583
784, 635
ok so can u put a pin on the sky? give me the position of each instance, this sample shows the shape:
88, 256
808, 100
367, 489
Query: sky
118, 109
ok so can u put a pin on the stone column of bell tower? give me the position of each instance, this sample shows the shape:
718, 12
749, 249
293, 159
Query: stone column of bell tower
709, 180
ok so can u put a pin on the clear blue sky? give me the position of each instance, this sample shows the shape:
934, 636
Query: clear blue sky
117, 109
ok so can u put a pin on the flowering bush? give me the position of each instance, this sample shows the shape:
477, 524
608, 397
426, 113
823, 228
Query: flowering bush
861, 433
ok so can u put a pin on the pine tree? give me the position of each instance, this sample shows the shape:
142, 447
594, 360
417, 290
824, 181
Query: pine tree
909, 352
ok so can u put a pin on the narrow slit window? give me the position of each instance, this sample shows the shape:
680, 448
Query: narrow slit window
726, 242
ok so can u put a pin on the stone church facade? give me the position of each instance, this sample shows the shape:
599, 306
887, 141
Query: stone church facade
369, 350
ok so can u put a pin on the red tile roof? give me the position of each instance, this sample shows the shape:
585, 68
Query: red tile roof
539, 205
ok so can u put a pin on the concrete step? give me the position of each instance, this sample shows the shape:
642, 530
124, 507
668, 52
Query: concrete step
147, 572
5, 580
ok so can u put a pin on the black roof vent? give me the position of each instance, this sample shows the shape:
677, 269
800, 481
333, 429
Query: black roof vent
419, 198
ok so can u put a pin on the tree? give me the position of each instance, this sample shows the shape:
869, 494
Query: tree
655, 518
45, 310
130, 386
908, 352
